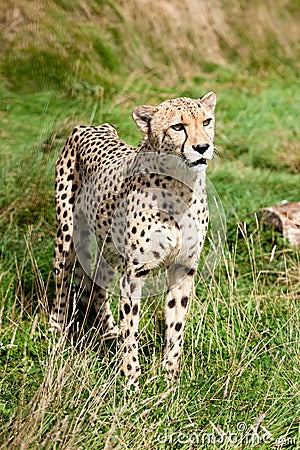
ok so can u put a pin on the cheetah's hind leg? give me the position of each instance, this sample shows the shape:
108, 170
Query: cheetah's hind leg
92, 289
100, 296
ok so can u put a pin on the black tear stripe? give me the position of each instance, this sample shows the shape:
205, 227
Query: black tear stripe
182, 147
164, 137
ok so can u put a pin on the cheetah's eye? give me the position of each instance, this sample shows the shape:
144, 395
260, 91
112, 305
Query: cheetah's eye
177, 127
206, 122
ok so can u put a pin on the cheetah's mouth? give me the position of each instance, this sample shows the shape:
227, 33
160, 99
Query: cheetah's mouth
199, 162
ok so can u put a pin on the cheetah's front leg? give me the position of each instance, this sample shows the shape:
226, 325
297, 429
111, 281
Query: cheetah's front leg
131, 289
180, 285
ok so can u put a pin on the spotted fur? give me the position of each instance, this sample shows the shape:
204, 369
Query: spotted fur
147, 213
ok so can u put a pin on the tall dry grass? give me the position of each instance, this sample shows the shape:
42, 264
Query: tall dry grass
240, 365
173, 39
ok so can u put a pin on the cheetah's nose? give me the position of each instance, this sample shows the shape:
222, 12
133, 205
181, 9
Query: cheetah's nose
201, 148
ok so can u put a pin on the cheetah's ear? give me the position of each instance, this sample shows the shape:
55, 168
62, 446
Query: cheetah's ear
209, 99
142, 116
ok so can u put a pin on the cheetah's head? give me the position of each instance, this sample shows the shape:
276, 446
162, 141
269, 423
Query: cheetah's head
182, 126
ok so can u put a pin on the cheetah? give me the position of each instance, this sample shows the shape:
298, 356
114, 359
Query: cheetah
147, 208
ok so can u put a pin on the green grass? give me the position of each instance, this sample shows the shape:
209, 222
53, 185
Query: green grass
241, 356
239, 386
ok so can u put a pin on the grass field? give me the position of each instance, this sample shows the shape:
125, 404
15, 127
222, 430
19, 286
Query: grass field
239, 386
